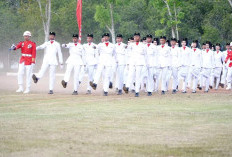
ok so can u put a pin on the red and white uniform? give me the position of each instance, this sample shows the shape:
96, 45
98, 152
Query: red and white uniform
225, 68
229, 74
28, 51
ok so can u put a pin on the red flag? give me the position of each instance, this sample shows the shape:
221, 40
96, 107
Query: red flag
79, 17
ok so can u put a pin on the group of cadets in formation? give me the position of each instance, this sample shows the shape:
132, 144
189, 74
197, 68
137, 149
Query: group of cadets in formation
141, 64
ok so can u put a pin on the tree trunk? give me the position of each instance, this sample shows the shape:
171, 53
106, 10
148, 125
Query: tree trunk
46, 18
170, 14
230, 1
177, 32
112, 24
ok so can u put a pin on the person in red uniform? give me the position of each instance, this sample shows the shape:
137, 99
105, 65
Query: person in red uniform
27, 61
229, 74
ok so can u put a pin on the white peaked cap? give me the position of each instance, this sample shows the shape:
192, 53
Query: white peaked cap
27, 33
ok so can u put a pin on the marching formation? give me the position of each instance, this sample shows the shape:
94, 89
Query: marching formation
148, 64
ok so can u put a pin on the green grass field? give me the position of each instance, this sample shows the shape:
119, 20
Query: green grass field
65, 125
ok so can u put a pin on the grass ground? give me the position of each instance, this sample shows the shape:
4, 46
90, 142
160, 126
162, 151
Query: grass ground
182, 125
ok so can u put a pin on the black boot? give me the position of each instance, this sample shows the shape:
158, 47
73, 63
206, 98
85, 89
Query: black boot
126, 90
35, 79
111, 85
105, 93
119, 92
136, 94
173, 91
163, 92
93, 85
74, 93
50, 92
149, 93
64, 84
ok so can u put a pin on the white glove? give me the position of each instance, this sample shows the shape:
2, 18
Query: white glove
12, 47
61, 66
63, 45
32, 65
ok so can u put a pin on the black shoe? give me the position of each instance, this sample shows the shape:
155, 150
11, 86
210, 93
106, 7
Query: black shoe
35, 79
74, 93
149, 94
126, 90
200, 88
132, 91
184, 92
221, 85
211, 87
93, 85
194, 91
105, 93
64, 84
136, 94
173, 91
88, 92
206, 91
119, 92
79, 82
163, 92
50, 92
111, 85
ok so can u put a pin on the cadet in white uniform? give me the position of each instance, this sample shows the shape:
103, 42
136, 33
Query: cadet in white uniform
157, 69
225, 66
151, 51
107, 56
165, 62
184, 63
195, 66
52, 48
137, 63
91, 55
75, 61
207, 66
175, 64
120, 50
219, 59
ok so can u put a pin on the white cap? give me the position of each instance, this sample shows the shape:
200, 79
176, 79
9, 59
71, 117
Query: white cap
231, 44
27, 33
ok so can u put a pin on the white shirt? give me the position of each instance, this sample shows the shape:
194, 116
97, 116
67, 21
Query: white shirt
219, 59
208, 59
185, 56
164, 56
91, 53
151, 52
120, 50
175, 56
76, 52
138, 54
107, 54
196, 58
52, 48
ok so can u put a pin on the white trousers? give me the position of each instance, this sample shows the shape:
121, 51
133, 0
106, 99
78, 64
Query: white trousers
206, 77
150, 79
157, 75
229, 75
175, 81
77, 71
215, 76
21, 70
193, 76
82, 73
107, 73
52, 74
183, 74
224, 74
120, 76
91, 73
135, 71
164, 78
